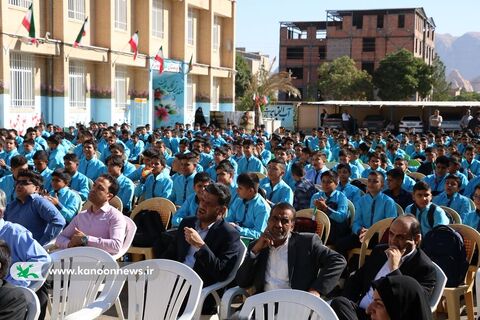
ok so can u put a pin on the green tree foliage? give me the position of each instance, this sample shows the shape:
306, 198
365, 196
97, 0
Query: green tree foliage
467, 96
400, 75
242, 78
440, 85
341, 80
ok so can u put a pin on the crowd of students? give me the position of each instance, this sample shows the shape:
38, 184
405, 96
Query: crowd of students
48, 174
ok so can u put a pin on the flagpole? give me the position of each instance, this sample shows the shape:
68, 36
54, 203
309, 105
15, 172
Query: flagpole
13, 38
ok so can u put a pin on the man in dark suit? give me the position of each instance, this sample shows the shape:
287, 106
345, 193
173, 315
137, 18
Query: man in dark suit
13, 304
282, 259
400, 257
207, 243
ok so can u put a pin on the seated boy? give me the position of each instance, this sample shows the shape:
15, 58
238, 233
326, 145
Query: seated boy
89, 165
79, 182
126, 186
408, 182
428, 214
374, 162
472, 218
28, 151
334, 204
225, 174
55, 157
250, 211
249, 163
318, 167
190, 206
183, 180
157, 183
67, 201
452, 198
395, 178
40, 161
436, 181
276, 189
304, 189
352, 192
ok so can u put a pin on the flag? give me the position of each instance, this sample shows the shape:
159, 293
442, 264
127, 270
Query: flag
82, 33
134, 44
29, 23
190, 65
161, 61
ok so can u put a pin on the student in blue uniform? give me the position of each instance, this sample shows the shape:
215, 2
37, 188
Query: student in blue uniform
352, 192
183, 181
117, 149
452, 198
428, 214
395, 178
249, 163
318, 167
225, 174
470, 164
408, 182
10, 150
190, 206
374, 161
275, 188
40, 161
158, 183
436, 181
126, 186
334, 204
89, 165
136, 147
55, 157
7, 183
67, 201
472, 218
220, 154
371, 208
250, 211
79, 182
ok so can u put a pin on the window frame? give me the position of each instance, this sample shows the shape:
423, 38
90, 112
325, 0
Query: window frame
22, 80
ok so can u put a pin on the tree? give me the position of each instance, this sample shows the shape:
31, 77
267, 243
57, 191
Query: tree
341, 80
440, 85
401, 75
242, 78
467, 96
264, 87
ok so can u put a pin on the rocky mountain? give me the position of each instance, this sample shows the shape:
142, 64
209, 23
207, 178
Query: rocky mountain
458, 82
460, 53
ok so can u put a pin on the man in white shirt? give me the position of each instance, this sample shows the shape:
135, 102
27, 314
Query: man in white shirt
435, 121
282, 259
400, 257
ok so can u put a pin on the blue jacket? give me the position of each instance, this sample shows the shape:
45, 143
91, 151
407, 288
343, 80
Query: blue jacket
369, 210
337, 205
439, 217
281, 192
251, 216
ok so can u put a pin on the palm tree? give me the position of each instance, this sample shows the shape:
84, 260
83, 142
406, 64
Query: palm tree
264, 86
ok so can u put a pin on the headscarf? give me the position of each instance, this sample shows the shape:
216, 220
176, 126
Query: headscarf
403, 298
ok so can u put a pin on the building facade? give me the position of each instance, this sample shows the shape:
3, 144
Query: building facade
254, 60
100, 80
366, 36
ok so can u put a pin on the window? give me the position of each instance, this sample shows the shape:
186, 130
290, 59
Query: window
368, 44
157, 18
357, 20
216, 33
22, 91
76, 9
20, 3
295, 53
121, 14
192, 17
297, 73
368, 66
120, 88
322, 52
215, 95
380, 21
401, 21
189, 95
321, 34
303, 34
76, 86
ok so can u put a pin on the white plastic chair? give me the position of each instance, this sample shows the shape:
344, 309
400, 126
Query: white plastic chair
292, 304
75, 295
212, 289
157, 289
130, 230
33, 304
438, 289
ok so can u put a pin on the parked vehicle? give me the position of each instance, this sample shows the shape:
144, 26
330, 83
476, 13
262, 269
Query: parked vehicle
333, 120
451, 122
374, 122
410, 122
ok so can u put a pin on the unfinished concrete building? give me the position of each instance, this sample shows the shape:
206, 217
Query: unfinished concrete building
366, 36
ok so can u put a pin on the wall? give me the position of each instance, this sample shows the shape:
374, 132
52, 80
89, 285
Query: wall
285, 113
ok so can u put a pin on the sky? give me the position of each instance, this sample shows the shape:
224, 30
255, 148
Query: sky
258, 21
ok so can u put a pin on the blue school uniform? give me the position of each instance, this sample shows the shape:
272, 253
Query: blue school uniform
250, 215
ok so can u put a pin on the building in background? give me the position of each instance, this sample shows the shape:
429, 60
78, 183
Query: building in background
100, 80
254, 60
366, 36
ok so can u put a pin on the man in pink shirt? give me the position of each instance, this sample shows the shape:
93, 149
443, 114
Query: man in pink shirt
101, 225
